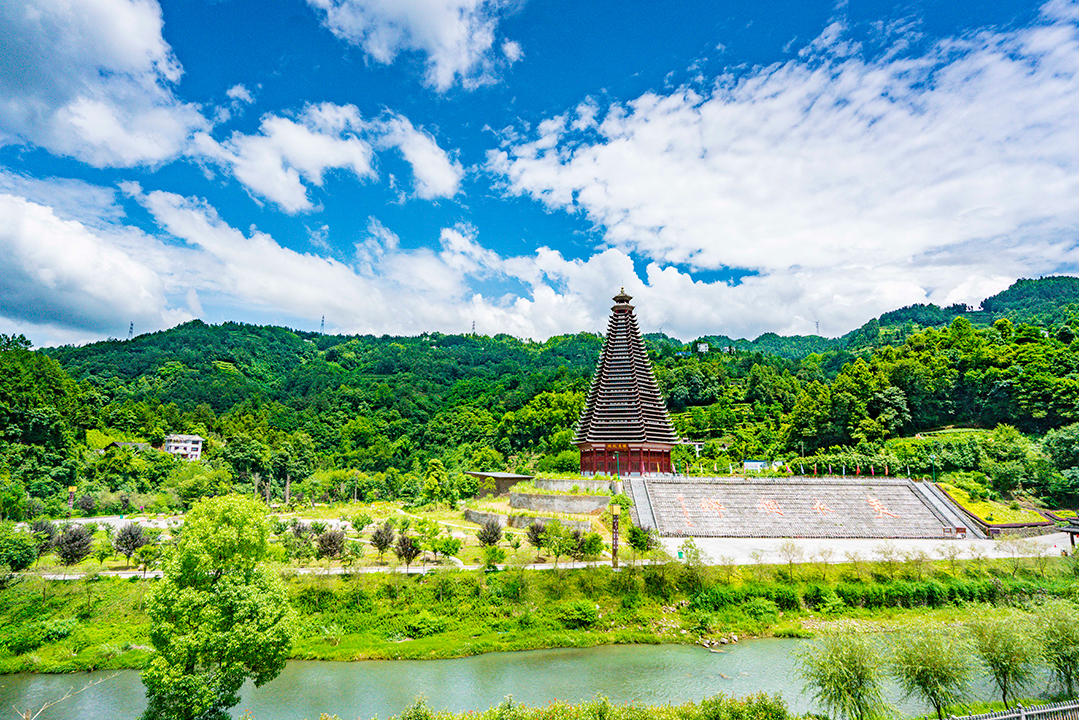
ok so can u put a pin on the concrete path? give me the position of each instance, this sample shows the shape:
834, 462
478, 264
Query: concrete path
742, 549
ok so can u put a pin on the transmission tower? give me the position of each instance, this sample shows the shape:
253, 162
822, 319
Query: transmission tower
818, 326
322, 327
131, 330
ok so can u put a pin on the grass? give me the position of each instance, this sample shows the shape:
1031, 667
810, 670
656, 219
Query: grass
79, 625
991, 511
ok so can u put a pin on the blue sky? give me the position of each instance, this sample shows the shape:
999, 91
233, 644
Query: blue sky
401, 166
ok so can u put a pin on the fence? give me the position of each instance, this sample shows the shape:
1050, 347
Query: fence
1067, 710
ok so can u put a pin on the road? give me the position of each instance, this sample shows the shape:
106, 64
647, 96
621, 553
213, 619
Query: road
742, 549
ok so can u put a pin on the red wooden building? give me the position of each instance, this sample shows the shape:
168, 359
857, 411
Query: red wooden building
625, 428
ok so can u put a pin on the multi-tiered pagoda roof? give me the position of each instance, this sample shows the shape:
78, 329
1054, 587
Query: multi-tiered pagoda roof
625, 426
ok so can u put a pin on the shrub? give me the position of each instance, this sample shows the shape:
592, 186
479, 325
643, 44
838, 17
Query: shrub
330, 543
490, 534
786, 597
86, 504
425, 624
31, 637
935, 593
817, 595
852, 594
18, 550
661, 581
715, 597
577, 614
875, 596
762, 610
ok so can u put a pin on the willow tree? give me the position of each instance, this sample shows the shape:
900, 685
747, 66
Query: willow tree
933, 664
844, 674
218, 617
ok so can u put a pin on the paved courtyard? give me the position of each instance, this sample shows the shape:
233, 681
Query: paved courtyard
742, 549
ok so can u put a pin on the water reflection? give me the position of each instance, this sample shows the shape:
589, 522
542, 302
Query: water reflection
640, 674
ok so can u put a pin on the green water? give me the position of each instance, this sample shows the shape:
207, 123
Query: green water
647, 674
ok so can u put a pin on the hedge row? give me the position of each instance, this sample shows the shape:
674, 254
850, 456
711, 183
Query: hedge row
929, 593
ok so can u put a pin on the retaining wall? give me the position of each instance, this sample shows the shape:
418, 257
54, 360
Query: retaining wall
522, 521
576, 504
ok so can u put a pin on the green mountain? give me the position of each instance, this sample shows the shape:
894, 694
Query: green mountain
374, 416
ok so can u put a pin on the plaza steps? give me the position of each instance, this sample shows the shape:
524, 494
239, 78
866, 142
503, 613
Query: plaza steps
798, 507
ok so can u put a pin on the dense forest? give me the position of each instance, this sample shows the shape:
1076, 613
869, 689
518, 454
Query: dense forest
369, 417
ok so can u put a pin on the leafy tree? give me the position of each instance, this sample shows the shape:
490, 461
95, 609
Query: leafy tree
447, 546
490, 534
492, 556
382, 538
1007, 648
129, 539
1062, 446
360, 522
13, 498
406, 549
436, 483
103, 550
590, 546
844, 674
74, 544
640, 540
218, 617
558, 540
330, 543
934, 665
18, 550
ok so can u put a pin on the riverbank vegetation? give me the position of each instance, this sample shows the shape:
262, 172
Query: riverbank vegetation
718, 707
101, 622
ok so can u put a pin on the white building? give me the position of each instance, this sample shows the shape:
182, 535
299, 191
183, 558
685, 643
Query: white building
188, 447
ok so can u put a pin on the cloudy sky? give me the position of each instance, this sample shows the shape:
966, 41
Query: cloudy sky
401, 166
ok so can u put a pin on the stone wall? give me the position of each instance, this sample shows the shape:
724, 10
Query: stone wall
522, 521
575, 504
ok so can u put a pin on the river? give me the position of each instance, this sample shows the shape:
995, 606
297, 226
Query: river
645, 674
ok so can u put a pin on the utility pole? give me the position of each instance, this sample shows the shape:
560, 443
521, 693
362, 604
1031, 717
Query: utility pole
615, 512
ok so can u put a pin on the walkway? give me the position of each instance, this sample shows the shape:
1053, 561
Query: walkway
742, 549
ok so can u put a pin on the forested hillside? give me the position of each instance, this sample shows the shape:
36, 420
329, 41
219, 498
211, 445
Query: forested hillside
377, 417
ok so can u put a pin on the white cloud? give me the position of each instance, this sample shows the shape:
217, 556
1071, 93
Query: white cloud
92, 79
286, 156
848, 184
66, 280
457, 36
436, 175
277, 162
240, 94
62, 274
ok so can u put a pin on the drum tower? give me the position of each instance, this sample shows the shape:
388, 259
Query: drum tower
625, 428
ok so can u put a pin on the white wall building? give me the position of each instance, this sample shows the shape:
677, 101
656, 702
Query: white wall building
188, 447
